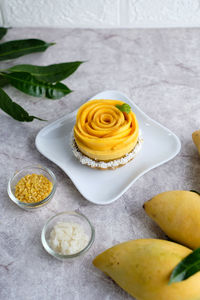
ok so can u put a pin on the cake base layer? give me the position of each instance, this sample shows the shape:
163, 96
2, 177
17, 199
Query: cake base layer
113, 164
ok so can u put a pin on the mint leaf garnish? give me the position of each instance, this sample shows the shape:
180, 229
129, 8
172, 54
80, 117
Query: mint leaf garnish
124, 107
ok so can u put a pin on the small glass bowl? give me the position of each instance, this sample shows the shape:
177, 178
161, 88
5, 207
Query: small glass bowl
31, 170
71, 217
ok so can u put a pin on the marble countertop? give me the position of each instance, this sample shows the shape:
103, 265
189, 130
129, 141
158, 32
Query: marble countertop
160, 71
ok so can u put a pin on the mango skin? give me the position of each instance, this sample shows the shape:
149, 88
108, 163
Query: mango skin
143, 267
196, 139
178, 215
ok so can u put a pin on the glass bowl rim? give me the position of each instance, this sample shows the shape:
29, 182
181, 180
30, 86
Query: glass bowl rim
35, 204
67, 256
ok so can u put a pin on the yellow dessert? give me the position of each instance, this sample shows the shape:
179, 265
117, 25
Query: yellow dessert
103, 132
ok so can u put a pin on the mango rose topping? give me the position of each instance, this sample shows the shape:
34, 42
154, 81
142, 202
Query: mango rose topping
103, 132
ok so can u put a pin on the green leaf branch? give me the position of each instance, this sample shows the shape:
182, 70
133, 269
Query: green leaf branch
17, 48
14, 110
37, 81
28, 84
3, 31
51, 73
187, 267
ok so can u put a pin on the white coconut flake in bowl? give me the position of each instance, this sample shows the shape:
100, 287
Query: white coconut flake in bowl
68, 238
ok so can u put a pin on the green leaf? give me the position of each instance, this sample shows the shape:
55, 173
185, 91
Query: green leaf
17, 48
51, 73
28, 84
3, 81
13, 109
124, 107
195, 192
187, 267
3, 31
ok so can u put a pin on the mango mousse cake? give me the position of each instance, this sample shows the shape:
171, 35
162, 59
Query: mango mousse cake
106, 134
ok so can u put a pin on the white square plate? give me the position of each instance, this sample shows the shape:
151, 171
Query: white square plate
103, 187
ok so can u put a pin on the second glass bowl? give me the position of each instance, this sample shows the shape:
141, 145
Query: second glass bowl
67, 216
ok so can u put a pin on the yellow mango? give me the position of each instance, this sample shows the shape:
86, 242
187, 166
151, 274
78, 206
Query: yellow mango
143, 268
196, 139
178, 215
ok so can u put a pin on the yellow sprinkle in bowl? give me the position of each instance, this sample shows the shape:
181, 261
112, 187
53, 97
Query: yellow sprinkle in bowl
40, 170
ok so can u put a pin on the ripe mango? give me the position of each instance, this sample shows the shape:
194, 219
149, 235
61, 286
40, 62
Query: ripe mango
196, 139
178, 215
143, 268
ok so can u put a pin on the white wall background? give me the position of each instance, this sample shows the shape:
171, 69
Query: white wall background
100, 13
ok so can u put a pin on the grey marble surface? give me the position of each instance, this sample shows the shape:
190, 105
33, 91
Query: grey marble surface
160, 71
